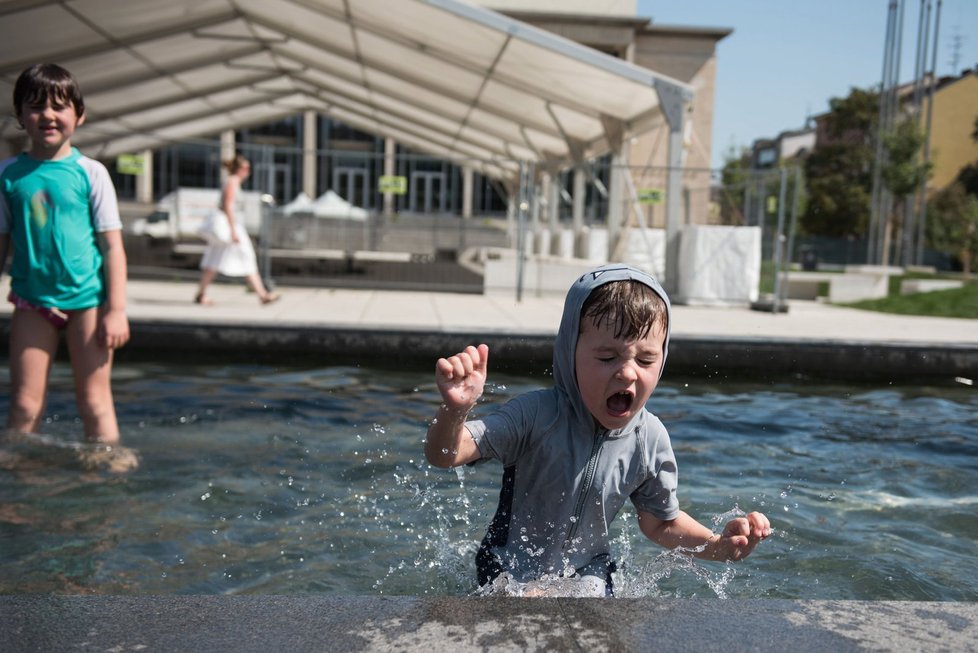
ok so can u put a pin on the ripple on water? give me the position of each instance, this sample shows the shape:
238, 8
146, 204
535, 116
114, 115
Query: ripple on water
259, 479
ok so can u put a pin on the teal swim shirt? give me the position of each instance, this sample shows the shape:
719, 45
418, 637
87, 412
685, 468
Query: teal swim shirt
53, 212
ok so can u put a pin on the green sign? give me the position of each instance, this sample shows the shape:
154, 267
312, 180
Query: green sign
131, 164
394, 184
772, 204
650, 196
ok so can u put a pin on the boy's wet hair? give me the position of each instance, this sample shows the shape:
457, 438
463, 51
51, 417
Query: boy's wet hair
47, 81
631, 308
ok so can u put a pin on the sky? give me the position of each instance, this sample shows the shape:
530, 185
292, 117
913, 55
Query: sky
786, 59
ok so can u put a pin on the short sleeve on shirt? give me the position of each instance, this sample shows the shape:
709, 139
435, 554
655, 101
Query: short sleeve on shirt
105, 205
657, 495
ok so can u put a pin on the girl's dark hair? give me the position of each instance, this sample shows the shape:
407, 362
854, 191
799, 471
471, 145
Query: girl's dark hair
47, 81
630, 307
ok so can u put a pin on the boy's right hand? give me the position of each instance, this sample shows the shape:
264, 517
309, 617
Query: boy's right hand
462, 377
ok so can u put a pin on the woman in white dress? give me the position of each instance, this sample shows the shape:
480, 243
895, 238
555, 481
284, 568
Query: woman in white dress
236, 258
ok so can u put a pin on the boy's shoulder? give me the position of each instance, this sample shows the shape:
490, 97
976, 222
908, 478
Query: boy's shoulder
6, 164
88, 162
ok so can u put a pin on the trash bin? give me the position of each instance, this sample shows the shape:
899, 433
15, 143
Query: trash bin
809, 262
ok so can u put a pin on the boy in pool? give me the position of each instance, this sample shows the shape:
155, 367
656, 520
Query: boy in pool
60, 218
572, 454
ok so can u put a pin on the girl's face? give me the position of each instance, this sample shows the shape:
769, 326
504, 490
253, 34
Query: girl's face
50, 124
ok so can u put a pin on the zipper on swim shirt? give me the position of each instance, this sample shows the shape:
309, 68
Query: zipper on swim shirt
592, 466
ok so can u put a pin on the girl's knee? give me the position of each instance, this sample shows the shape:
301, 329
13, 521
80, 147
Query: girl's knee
25, 412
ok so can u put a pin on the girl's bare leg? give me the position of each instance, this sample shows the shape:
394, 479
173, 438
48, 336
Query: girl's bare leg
255, 283
92, 366
33, 344
207, 276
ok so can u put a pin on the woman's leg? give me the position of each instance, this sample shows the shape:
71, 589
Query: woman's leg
255, 283
33, 344
92, 367
207, 276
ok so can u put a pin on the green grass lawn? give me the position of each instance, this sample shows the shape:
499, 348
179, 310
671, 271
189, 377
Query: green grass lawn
957, 302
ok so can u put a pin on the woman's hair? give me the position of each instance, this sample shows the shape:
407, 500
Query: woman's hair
630, 307
47, 81
236, 163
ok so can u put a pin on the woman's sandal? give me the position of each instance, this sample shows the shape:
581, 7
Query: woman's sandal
203, 301
270, 298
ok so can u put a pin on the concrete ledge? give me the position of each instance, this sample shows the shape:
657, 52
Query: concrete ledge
913, 286
360, 623
519, 352
314, 254
843, 287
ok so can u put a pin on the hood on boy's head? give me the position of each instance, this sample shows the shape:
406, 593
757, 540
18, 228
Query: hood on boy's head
565, 345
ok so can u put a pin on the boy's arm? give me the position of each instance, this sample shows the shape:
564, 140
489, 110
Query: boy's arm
738, 539
114, 326
460, 380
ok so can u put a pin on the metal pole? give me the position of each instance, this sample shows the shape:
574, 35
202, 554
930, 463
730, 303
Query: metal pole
795, 201
264, 236
523, 206
911, 211
922, 223
876, 206
778, 238
747, 198
887, 197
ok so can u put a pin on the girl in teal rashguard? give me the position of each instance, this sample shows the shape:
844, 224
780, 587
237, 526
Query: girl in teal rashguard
59, 220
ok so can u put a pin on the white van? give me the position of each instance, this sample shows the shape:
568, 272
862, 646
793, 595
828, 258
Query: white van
179, 214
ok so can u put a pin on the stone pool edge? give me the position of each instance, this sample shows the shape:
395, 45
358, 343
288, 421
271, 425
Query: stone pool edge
364, 623
521, 352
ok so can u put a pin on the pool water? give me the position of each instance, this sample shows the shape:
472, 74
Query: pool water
265, 480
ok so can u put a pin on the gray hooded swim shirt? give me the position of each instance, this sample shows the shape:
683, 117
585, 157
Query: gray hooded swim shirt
565, 476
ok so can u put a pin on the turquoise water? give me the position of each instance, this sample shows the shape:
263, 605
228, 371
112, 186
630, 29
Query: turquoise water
262, 480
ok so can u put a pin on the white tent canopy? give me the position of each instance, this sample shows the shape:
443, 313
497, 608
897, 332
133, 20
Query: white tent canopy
440, 76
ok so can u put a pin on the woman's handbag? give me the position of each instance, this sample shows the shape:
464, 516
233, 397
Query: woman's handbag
215, 228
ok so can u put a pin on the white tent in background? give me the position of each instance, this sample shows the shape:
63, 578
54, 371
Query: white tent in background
301, 204
442, 77
331, 205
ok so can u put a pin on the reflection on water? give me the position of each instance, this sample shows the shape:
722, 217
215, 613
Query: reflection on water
266, 480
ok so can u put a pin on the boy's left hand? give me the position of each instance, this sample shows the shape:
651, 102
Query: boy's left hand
114, 329
741, 535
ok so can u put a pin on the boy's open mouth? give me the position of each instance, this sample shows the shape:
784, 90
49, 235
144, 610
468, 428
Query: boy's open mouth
620, 403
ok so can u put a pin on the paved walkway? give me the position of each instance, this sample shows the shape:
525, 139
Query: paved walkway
810, 337
447, 312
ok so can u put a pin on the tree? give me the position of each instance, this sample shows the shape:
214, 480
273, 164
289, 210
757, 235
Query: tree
734, 178
839, 185
952, 225
903, 173
968, 175
839, 171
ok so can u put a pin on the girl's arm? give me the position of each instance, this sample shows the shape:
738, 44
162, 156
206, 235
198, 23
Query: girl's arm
227, 203
114, 325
